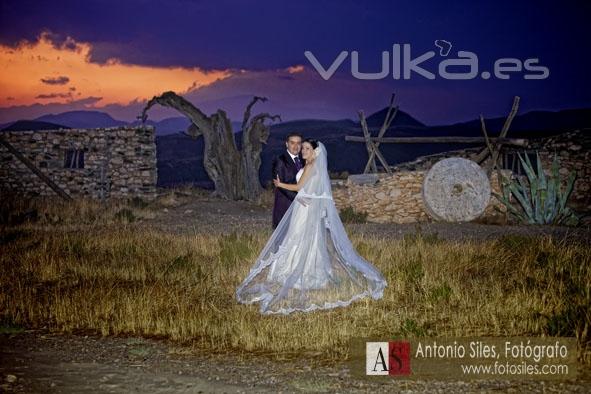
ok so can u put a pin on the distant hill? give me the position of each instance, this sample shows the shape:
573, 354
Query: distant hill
531, 124
166, 126
93, 119
175, 125
24, 125
82, 119
402, 119
180, 158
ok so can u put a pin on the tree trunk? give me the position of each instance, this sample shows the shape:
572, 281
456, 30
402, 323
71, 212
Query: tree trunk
235, 173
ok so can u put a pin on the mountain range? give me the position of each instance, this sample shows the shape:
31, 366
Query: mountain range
180, 158
92, 119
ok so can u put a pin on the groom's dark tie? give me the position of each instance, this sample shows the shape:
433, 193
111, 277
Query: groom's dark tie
298, 163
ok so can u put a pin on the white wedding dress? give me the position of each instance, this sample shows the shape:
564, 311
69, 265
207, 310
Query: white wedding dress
309, 262
299, 174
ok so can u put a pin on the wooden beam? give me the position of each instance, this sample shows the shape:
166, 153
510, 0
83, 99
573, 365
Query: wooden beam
382, 160
33, 168
385, 126
366, 138
370, 145
388, 119
504, 130
480, 156
489, 145
440, 140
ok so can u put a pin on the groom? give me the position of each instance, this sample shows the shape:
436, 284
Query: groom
286, 166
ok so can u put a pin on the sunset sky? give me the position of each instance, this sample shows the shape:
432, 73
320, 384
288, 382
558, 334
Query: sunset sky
112, 56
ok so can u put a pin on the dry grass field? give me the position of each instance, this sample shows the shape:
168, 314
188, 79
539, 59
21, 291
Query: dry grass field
86, 266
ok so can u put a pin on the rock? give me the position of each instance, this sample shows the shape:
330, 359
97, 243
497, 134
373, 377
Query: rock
381, 196
456, 190
363, 179
394, 193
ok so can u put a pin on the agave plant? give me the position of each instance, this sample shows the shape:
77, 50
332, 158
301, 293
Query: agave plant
541, 198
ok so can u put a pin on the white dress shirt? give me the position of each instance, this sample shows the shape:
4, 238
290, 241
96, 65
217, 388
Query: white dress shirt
301, 171
292, 156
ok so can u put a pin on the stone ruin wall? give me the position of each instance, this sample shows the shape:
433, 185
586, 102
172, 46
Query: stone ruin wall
119, 162
397, 198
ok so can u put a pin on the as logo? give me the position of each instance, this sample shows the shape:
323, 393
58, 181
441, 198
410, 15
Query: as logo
387, 358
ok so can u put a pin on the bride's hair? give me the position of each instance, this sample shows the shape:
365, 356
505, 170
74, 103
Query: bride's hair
312, 142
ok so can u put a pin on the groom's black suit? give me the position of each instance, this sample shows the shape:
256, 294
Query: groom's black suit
285, 167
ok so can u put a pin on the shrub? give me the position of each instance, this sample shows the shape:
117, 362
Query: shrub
542, 200
350, 215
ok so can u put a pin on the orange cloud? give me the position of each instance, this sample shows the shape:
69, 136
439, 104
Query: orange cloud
295, 69
41, 73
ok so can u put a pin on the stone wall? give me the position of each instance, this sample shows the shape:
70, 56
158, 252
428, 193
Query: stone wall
397, 198
573, 150
117, 162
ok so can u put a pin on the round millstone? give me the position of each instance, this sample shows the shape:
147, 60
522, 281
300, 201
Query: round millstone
456, 190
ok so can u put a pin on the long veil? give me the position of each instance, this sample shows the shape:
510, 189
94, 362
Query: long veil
309, 262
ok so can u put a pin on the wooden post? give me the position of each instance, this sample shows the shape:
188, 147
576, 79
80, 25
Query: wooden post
495, 151
503, 133
366, 138
370, 145
33, 168
486, 139
385, 126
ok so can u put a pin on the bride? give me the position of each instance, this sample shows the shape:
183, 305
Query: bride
309, 262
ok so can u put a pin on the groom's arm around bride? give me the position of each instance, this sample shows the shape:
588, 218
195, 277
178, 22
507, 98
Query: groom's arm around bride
283, 197
281, 169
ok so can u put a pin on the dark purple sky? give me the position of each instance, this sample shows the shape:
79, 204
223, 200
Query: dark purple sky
263, 37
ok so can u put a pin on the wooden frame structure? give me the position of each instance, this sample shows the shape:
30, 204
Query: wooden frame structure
492, 145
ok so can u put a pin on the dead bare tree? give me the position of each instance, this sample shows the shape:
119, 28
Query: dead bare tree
235, 173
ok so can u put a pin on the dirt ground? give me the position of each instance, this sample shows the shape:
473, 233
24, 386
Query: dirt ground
44, 362
40, 361
202, 214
